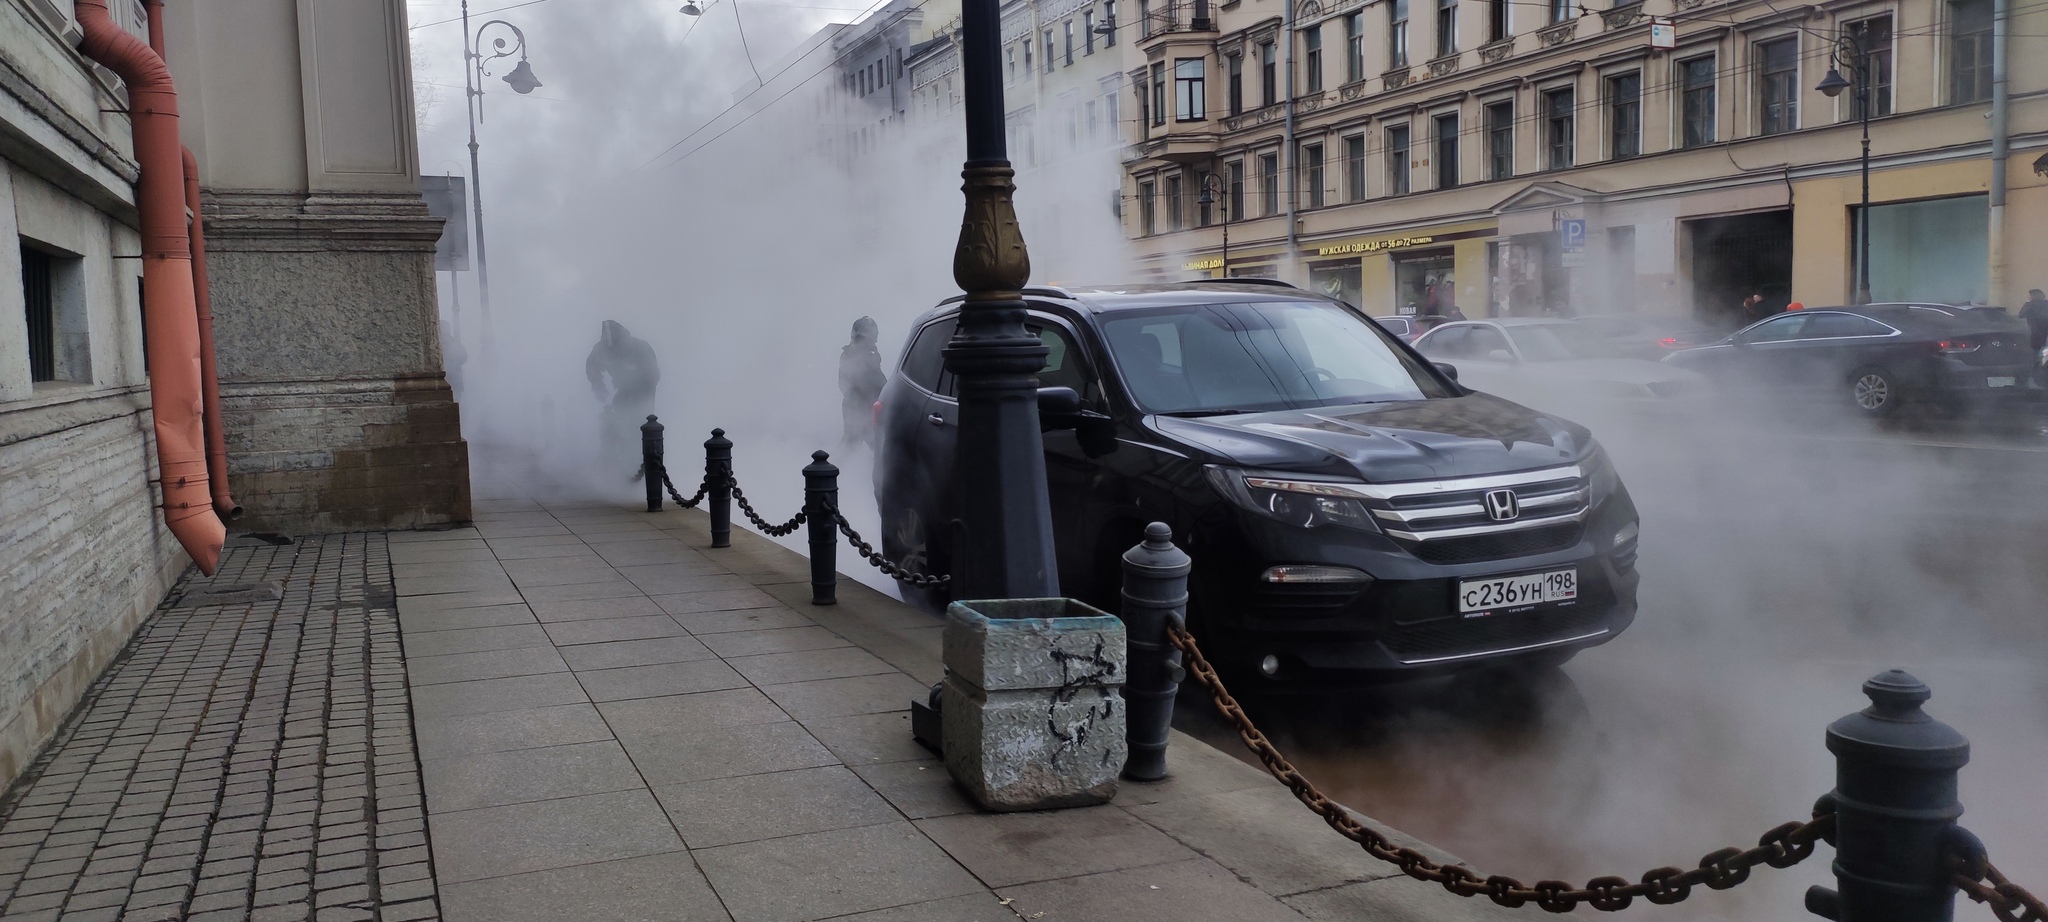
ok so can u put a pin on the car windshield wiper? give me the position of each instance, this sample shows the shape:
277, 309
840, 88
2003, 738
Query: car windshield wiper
1197, 414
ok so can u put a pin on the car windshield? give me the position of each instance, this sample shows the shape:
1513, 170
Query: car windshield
1214, 359
1556, 342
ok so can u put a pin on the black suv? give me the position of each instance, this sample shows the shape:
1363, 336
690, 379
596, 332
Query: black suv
1348, 505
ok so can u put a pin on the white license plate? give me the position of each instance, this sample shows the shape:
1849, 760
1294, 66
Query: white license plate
1481, 595
2001, 381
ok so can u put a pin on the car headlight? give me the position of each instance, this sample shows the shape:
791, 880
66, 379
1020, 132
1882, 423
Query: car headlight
1301, 503
1600, 473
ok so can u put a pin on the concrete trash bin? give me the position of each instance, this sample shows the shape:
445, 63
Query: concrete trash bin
1032, 702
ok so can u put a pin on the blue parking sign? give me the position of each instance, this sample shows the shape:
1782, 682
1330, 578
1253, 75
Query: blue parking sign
1574, 232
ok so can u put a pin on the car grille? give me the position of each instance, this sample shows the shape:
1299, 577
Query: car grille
1451, 638
1498, 546
1449, 521
1307, 600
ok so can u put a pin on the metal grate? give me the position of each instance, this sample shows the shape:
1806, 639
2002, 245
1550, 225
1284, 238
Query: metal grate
1462, 636
42, 314
1497, 546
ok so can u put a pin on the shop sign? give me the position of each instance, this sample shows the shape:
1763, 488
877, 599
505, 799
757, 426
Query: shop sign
1571, 242
1198, 265
1373, 246
1663, 34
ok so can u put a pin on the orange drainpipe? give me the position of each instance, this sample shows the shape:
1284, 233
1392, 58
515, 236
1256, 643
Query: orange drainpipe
224, 504
170, 311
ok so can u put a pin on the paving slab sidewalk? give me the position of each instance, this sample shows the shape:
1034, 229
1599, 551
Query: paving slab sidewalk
618, 722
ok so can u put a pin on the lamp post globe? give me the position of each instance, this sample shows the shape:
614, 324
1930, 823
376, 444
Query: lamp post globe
522, 79
1833, 84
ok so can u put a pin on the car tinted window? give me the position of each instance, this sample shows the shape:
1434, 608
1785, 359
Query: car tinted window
1822, 326
1265, 355
1448, 342
924, 361
1775, 329
1485, 341
1394, 325
1064, 364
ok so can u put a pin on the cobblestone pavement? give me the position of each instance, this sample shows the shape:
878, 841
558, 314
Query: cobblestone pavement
249, 757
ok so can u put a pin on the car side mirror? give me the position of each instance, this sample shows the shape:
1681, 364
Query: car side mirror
1450, 371
1061, 404
1500, 355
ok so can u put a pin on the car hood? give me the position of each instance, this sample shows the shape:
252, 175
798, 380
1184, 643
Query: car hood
1393, 441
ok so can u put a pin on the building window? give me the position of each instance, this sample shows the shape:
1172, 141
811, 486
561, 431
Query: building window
1148, 208
1109, 23
1872, 41
1094, 116
1188, 98
1235, 63
1500, 140
1235, 196
1068, 26
1496, 20
1269, 83
1625, 115
1158, 93
1088, 31
1446, 28
1312, 42
1969, 51
1561, 10
1312, 168
1397, 160
1176, 212
1048, 51
1397, 33
1354, 47
1144, 18
1778, 85
1696, 82
1354, 167
1027, 55
1447, 151
36, 290
1269, 183
1011, 55
1558, 122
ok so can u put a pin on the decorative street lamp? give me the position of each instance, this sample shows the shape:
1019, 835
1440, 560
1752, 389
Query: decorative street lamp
522, 81
1832, 86
1005, 547
1207, 199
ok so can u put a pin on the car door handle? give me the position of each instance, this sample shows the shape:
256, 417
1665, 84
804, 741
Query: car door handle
936, 419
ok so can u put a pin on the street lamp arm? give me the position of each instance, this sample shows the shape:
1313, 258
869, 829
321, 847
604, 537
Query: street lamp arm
518, 47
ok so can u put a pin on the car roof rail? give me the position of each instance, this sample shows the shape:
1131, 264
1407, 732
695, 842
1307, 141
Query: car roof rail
1049, 291
1244, 280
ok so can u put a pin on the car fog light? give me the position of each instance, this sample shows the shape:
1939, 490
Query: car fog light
1270, 665
1314, 574
1627, 534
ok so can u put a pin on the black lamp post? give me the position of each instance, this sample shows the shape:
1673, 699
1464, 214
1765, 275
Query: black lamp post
1208, 198
1832, 85
1004, 548
522, 82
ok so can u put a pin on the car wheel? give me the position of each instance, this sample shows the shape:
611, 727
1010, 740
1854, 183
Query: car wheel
906, 542
1875, 391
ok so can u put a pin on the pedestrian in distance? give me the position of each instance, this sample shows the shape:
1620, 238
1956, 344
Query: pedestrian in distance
1453, 313
860, 385
1753, 308
623, 373
2035, 313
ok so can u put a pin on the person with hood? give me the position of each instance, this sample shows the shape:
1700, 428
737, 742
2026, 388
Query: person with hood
622, 372
860, 384
2035, 313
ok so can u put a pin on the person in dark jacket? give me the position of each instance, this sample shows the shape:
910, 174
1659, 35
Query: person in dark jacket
2035, 313
622, 372
860, 384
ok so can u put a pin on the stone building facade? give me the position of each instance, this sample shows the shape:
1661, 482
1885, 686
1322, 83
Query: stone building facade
1512, 157
337, 417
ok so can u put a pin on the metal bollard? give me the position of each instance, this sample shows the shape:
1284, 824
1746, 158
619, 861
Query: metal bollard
718, 480
650, 461
821, 497
1155, 596
1895, 809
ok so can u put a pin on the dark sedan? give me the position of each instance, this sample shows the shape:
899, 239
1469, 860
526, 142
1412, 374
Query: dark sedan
1876, 357
1350, 508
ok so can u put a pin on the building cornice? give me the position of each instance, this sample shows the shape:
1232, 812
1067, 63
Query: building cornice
297, 222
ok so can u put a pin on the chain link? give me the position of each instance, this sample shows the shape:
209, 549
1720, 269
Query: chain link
773, 531
868, 553
2009, 901
1781, 847
703, 488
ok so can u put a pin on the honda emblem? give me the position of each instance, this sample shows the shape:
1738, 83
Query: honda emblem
1502, 506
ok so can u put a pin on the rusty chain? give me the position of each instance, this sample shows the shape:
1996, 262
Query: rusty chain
2009, 901
868, 553
703, 488
773, 531
1781, 847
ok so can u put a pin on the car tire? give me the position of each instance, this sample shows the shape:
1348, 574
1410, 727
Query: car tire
907, 543
1874, 391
